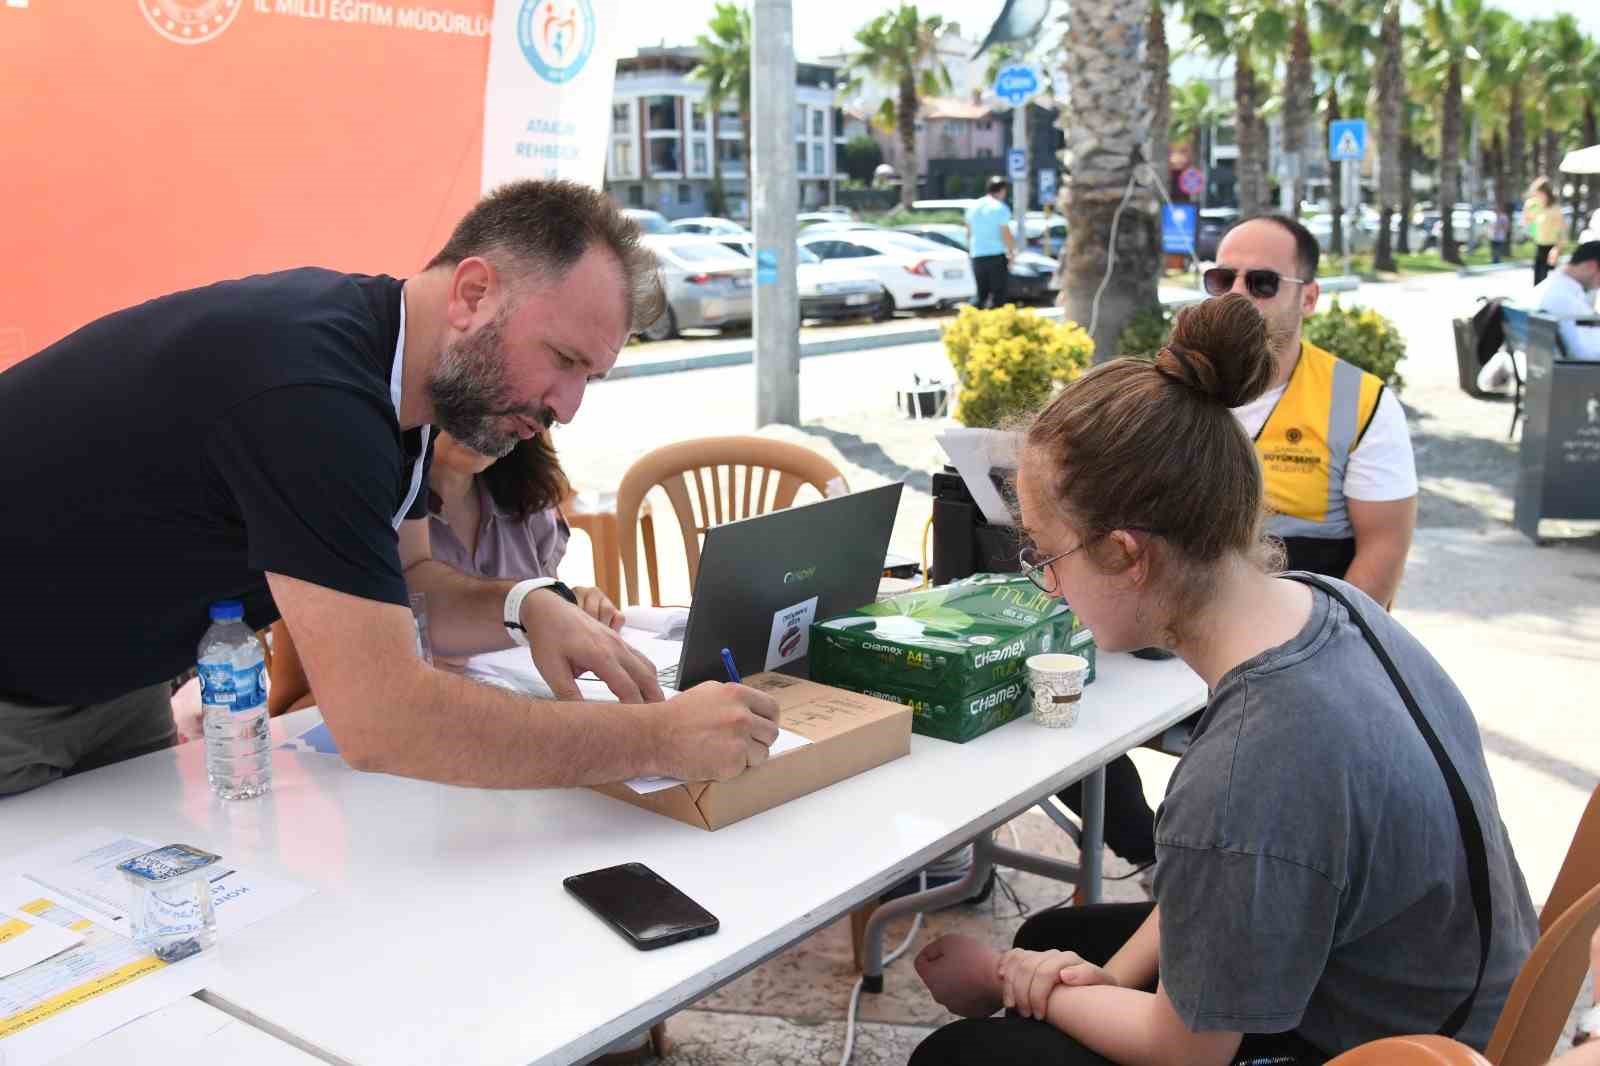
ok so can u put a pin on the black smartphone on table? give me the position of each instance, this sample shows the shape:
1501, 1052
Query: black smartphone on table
644, 907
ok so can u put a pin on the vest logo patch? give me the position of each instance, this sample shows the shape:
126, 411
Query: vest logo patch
1294, 436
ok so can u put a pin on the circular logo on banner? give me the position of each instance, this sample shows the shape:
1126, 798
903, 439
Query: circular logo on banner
189, 21
556, 36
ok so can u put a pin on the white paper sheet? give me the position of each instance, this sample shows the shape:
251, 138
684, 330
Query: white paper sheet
26, 939
787, 741
70, 999
975, 452
668, 622
83, 869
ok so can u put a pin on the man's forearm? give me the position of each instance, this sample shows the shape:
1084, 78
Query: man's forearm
428, 724
464, 612
1135, 963
1377, 569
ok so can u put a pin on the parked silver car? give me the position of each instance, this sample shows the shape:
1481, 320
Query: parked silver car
832, 291
707, 285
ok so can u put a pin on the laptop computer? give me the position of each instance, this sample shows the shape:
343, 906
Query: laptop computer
764, 580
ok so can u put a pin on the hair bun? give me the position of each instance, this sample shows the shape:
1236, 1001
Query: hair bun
1219, 349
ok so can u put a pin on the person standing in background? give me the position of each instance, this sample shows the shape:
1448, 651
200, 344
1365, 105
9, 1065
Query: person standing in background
1543, 219
990, 244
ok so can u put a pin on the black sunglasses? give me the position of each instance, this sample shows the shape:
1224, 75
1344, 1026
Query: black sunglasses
1262, 284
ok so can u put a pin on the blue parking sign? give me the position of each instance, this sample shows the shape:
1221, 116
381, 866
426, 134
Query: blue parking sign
1017, 164
1179, 225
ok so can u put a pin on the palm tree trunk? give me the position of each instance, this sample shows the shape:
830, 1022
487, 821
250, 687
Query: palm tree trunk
1297, 101
719, 198
906, 123
1246, 131
1390, 91
1158, 91
1450, 164
1502, 191
1517, 145
1407, 197
1106, 128
1335, 174
1591, 135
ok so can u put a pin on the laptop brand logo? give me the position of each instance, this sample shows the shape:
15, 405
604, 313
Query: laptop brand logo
795, 576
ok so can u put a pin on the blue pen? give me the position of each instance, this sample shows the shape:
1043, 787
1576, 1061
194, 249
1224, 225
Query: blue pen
733, 671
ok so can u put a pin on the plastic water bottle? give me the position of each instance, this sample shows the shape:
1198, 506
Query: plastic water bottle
233, 699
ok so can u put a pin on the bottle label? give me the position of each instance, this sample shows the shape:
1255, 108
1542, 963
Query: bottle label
216, 684
249, 688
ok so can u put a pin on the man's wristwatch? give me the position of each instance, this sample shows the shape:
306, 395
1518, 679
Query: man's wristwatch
511, 614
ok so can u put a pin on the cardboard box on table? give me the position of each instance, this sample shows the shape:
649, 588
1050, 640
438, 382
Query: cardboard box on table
849, 733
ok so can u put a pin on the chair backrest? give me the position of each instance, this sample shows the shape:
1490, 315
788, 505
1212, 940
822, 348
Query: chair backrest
1541, 997
1515, 321
1580, 871
1427, 1050
773, 472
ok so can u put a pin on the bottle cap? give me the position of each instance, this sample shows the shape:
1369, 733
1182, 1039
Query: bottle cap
227, 611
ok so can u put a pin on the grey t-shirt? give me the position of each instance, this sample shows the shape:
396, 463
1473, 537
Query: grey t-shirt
1310, 873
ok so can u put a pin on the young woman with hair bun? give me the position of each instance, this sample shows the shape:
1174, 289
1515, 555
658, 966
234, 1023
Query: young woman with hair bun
1313, 888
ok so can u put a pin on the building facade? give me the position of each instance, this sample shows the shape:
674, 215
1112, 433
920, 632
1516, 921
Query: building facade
662, 138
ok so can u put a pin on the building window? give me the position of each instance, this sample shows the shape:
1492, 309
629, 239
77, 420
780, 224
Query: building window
800, 120
662, 112
697, 156
697, 116
817, 116
622, 157
636, 196
685, 193
800, 157
729, 124
817, 166
730, 153
622, 117
665, 156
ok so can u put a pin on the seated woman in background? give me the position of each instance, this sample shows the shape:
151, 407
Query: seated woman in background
493, 518
1312, 890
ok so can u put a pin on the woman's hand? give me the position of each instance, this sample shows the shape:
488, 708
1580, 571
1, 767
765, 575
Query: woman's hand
1029, 977
597, 606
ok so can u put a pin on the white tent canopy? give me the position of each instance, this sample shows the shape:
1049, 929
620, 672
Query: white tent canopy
1582, 161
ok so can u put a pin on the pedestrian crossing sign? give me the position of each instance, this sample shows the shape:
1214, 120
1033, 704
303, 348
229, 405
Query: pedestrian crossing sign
1347, 140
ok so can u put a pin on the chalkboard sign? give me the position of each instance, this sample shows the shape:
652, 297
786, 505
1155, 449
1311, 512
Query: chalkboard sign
1559, 475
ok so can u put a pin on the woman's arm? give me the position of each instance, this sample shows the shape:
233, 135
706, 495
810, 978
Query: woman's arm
1135, 1028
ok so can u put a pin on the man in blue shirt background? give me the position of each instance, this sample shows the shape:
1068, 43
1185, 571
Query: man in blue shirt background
990, 244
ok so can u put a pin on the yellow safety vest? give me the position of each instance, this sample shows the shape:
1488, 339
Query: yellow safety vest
1306, 442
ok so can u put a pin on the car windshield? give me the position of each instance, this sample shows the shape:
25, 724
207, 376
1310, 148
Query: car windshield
910, 243
650, 222
743, 248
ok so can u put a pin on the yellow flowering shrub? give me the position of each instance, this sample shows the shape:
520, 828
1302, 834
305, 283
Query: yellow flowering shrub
1010, 361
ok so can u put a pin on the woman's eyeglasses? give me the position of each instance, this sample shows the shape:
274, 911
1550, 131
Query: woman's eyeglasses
1262, 284
1037, 569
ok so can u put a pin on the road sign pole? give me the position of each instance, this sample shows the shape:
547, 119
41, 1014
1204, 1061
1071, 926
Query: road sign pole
1019, 198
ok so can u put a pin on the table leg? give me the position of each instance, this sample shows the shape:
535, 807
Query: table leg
1092, 846
931, 900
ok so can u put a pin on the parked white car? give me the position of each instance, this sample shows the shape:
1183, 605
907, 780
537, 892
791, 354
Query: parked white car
831, 291
707, 284
709, 227
917, 273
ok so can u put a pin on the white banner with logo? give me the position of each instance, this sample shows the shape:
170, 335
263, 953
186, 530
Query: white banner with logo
547, 101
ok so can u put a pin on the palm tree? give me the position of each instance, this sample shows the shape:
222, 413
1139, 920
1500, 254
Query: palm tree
1343, 41
1497, 100
1298, 99
1254, 33
725, 68
1391, 92
1453, 27
1158, 92
1591, 128
1106, 280
902, 48
1562, 62
1194, 110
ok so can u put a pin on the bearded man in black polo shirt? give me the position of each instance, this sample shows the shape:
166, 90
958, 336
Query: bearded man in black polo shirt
265, 440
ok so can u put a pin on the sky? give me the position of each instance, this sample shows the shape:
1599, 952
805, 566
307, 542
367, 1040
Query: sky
828, 26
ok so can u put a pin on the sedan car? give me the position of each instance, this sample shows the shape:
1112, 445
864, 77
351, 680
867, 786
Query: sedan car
1032, 276
648, 221
709, 227
917, 272
1213, 223
832, 291
707, 285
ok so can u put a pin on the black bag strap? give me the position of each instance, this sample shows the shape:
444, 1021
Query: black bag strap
1466, 816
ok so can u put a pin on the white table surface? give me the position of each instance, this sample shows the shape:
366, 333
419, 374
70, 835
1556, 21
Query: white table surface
440, 932
187, 1033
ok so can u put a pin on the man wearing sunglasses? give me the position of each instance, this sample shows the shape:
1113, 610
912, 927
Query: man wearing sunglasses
1335, 452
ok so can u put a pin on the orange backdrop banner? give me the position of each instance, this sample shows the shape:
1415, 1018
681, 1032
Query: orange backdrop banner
148, 146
